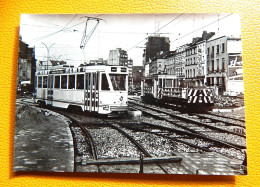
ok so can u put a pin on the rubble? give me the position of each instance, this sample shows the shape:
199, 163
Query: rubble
227, 101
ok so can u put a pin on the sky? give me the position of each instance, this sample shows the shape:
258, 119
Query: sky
62, 33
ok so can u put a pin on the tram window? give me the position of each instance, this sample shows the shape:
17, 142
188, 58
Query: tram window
39, 82
44, 83
57, 82
148, 83
80, 81
88, 76
118, 81
64, 82
95, 81
104, 82
168, 83
71, 81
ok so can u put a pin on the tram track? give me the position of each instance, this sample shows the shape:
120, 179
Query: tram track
196, 141
242, 120
103, 161
185, 118
151, 160
140, 147
74, 123
90, 140
205, 115
167, 117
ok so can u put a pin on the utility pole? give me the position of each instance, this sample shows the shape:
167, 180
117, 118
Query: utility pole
48, 53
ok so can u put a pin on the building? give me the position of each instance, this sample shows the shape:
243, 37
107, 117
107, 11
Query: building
175, 62
208, 61
158, 63
155, 46
195, 62
45, 65
26, 63
99, 61
118, 57
137, 74
224, 61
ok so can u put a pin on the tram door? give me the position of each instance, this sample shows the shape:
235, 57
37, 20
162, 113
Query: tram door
91, 91
50, 90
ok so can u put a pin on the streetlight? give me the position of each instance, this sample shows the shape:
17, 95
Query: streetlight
48, 51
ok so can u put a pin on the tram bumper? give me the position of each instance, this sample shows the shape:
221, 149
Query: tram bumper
107, 109
118, 108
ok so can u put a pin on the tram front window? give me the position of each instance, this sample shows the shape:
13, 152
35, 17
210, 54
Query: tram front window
118, 81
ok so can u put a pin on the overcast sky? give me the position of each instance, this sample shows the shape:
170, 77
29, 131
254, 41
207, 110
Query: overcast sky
127, 31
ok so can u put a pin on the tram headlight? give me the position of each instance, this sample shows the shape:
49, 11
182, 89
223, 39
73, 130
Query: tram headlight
105, 107
121, 98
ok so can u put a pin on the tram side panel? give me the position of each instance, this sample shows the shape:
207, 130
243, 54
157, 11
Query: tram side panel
154, 91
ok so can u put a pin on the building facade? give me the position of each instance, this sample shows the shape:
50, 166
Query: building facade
26, 63
224, 59
155, 46
118, 57
207, 61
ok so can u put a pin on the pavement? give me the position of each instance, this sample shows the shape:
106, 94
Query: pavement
210, 163
43, 141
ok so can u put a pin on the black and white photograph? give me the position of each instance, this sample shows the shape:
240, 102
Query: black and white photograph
130, 93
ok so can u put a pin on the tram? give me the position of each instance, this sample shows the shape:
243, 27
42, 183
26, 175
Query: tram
165, 88
98, 88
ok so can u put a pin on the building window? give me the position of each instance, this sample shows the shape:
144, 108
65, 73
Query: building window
218, 64
217, 49
212, 64
223, 63
220, 81
212, 49
208, 65
208, 51
223, 48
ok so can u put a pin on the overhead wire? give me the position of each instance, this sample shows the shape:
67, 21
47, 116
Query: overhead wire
51, 34
154, 32
202, 27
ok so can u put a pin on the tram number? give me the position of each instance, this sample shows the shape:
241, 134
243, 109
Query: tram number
239, 131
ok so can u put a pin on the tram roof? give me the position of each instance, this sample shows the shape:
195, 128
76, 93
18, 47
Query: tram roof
81, 69
163, 76
166, 76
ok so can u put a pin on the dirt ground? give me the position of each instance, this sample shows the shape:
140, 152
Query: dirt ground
43, 141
